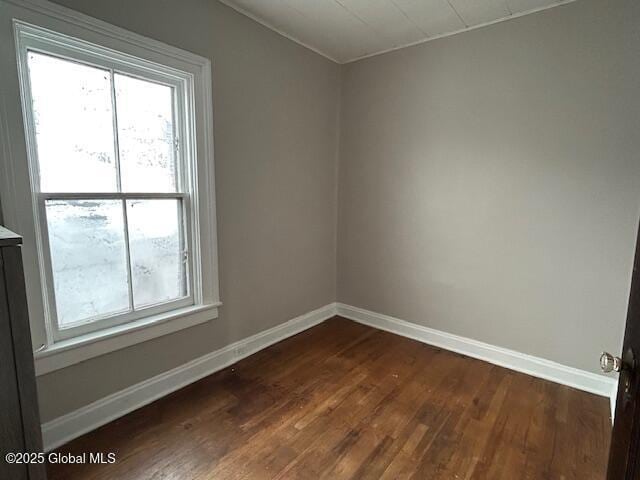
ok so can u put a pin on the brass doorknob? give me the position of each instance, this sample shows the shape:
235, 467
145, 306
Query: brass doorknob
609, 363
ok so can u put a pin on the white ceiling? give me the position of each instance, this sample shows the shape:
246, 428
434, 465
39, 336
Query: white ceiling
346, 30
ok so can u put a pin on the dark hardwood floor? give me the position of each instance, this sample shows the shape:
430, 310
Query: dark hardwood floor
343, 400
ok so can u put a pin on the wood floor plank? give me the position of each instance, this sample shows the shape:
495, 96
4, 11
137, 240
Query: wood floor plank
345, 401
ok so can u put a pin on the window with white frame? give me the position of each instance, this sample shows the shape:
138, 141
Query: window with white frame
114, 176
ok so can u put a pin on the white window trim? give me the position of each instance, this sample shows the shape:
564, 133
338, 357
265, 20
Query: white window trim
19, 209
30, 38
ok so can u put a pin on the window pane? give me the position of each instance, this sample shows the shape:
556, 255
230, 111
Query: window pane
74, 125
155, 241
88, 254
145, 134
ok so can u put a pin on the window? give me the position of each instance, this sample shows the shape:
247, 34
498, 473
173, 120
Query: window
110, 185
120, 183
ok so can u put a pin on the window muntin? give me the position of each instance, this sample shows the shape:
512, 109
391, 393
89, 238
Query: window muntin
113, 197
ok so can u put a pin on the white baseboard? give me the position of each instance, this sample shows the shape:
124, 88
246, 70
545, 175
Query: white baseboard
614, 399
537, 367
63, 429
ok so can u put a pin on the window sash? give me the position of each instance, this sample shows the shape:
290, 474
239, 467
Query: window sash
114, 62
111, 320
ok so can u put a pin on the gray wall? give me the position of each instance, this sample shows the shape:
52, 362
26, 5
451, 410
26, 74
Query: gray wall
275, 114
490, 181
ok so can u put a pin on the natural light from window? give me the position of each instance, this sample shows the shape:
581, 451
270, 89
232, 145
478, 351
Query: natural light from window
102, 138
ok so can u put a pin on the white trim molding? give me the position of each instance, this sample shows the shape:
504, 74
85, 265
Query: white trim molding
75, 350
470, 28
279, 30
613, 400
520, 362
264, 23
64, 429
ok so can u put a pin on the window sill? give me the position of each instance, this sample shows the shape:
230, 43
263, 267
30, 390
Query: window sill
68, 352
